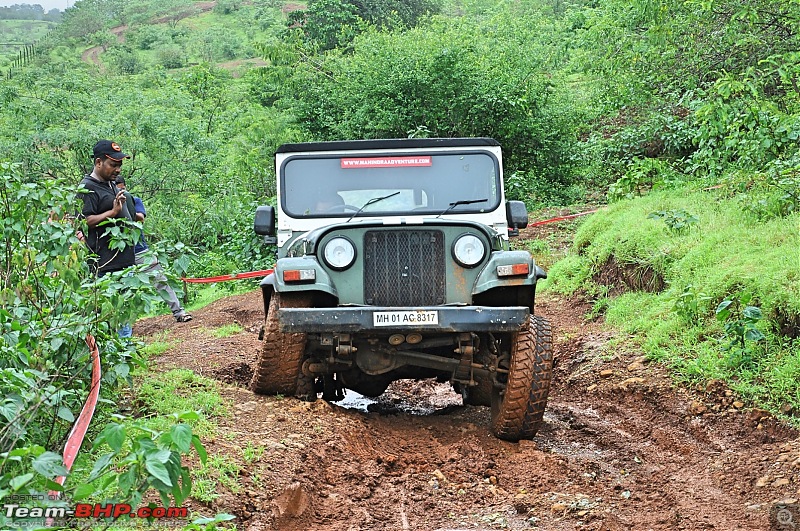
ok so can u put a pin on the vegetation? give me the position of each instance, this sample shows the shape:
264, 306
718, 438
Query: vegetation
683, 117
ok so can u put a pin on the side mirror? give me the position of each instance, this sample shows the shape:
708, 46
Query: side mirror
264, 224
516, 216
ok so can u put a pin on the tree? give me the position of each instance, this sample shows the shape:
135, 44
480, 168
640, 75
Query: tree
444, 76
328, 23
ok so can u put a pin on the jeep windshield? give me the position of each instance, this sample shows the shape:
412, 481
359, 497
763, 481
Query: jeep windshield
419, 184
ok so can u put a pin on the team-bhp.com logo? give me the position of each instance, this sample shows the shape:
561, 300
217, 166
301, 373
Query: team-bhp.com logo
19, 514
784, 516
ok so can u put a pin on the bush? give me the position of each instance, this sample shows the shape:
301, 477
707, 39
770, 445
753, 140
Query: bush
171, 56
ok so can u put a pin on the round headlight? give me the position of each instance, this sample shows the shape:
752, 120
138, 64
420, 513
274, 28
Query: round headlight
469, 250
339, 253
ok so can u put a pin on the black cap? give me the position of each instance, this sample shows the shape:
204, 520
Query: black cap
120, 180
109, 149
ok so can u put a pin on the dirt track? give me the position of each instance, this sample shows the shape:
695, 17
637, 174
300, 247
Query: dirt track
621, 449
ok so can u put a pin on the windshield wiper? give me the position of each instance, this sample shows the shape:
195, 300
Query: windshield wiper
463, 202
370, 202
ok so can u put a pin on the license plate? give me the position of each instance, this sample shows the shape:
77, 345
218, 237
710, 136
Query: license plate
405, 318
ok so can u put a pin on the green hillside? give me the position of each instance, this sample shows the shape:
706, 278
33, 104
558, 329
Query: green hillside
679, 120
16, 34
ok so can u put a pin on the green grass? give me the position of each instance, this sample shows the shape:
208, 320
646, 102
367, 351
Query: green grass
157, 345
217, 470
225, 330
252, 452
726, 254
161, 394
201, 295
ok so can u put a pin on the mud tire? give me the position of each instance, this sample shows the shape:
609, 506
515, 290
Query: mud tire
279, 365
518, 410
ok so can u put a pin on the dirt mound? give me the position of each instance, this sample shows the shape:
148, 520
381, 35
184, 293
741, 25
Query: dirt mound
620, 448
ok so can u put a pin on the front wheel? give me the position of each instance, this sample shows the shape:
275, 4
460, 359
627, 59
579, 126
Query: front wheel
518, 410
279, 365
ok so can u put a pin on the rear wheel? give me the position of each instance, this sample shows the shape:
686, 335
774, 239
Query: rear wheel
279, 365
518, 410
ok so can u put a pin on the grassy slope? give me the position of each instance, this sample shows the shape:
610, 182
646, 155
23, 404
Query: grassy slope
725, 254
24, 31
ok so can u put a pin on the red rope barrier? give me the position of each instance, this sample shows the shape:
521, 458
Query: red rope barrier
560, 218
233, 276
78, 432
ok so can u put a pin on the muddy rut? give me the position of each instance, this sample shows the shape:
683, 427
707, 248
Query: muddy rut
622, 447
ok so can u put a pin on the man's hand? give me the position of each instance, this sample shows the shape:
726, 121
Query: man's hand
118, 202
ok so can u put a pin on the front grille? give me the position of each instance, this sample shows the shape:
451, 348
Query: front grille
404, 268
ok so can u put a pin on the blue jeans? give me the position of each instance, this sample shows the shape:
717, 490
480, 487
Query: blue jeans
125, 331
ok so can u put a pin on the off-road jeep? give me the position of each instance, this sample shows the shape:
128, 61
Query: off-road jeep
394, 263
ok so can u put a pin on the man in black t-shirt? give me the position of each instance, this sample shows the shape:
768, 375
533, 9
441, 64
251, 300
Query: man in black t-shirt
104, 202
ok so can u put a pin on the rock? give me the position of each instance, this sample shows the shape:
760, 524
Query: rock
247, 407
559, 508
781, 482
591, 388
637, 364
631, 381
757, 415
763, 481
738, 404
697, 408
606, 373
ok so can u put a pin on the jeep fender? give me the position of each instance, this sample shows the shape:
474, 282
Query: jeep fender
488, 278
274, 281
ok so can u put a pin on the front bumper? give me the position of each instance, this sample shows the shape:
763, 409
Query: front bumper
359, 319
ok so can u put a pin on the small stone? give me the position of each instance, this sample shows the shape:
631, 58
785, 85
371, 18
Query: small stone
762, 481
738, 404
247, 407
697, 408
591, 388
637, 364
781, 482
558, 508
606, 373
631, 381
